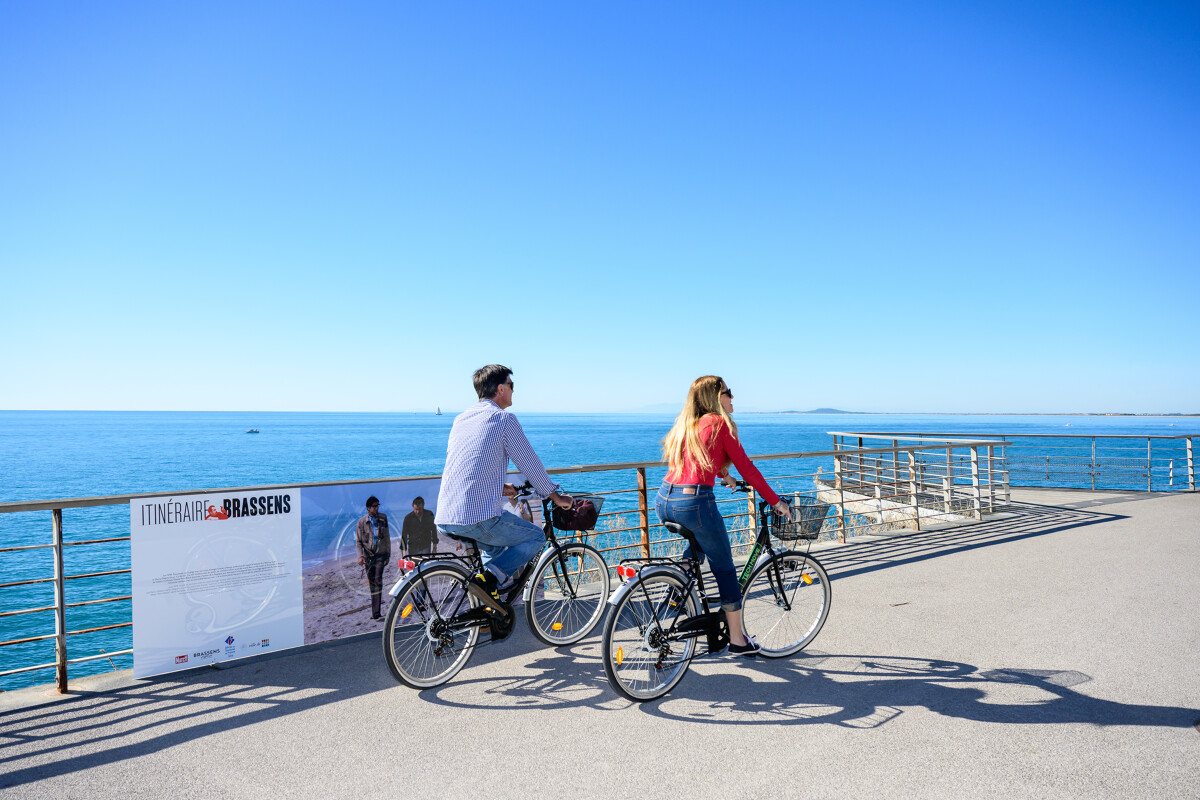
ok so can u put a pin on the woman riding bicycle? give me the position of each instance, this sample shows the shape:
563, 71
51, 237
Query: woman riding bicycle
701, 446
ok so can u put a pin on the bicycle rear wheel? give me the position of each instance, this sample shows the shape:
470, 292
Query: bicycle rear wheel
426, 641
786, 602
568, 595
642, 660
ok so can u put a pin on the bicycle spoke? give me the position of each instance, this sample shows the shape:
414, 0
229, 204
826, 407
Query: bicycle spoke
642, 660
422, 644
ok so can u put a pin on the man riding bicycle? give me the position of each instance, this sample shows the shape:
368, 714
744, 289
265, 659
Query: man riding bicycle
483, 440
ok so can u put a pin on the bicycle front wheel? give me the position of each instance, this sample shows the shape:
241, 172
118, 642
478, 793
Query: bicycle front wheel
568, 595
426, 639
786, 602
642, 658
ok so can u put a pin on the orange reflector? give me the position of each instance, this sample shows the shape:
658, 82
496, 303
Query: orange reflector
407, 610
807, 578
620, 655
557, 626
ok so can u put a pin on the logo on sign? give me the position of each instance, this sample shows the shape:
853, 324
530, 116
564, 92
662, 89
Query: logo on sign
181, 659
229, 640
216, 513
266, 642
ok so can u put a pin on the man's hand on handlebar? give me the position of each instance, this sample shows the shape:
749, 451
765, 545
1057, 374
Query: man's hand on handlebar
510, 490
563, 501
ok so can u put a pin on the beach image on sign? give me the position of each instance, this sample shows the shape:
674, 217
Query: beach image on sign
352, 536
215, 577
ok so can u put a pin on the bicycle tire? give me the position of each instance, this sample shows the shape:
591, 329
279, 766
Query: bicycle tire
412, 624
571, 605
785, 629
632, 645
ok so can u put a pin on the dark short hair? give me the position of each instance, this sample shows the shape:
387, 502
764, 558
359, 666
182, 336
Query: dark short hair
372, 501
488, 379
418, 499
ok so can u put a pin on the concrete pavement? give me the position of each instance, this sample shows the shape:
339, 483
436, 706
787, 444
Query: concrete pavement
1051, 653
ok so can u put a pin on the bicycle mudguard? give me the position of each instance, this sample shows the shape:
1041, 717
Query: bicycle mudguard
423, 566
645, 572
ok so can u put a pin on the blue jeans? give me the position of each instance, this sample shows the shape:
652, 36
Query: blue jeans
697, 511
506, 543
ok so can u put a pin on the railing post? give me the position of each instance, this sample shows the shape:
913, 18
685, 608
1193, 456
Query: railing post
1149, 467
60, 605
912, 488
948, 481
643, 511
976, 500
1092, 466
991, 478
841, 501
858, 472
1004, 478
1191, 467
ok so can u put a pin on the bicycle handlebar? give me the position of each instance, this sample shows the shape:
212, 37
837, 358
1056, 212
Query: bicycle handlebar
526, 490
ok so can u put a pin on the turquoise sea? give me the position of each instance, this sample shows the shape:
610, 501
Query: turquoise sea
60, 454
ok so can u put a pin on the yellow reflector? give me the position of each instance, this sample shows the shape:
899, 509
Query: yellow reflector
557, 626
620, 655
807, 578
407, 610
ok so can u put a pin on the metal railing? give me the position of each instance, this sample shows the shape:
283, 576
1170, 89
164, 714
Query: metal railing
1149, 463
922, 478
869, 489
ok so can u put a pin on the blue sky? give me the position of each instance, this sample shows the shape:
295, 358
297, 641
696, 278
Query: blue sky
872, 206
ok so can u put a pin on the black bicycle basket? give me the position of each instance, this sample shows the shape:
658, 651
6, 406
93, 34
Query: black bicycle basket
808, 515
581, 516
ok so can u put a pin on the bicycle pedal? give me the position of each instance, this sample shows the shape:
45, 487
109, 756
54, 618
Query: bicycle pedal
500, 625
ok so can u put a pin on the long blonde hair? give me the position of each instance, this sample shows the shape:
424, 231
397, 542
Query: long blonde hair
704, 397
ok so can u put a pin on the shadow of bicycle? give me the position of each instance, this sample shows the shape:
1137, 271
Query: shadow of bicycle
854, 691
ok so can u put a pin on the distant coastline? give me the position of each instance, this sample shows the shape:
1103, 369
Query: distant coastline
984, 413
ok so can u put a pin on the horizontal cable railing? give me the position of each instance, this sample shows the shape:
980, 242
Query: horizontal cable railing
868, 489
1151, 463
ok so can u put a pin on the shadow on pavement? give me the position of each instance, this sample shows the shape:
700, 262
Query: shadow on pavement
846, 690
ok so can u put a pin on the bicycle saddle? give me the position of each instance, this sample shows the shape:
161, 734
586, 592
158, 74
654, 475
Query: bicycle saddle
679, 530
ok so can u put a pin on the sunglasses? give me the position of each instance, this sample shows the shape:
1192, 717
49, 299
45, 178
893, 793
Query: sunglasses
728, 394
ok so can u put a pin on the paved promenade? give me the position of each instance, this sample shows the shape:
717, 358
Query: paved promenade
1052, 653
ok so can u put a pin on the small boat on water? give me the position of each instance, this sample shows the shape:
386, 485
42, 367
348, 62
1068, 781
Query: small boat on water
438, 413
252, 430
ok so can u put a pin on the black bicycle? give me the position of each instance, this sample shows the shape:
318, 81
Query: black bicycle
662, 609
435, 617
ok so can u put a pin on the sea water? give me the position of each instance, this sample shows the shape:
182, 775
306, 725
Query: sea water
62, 454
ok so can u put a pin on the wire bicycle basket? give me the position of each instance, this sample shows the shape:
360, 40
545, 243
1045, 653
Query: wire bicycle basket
808, 515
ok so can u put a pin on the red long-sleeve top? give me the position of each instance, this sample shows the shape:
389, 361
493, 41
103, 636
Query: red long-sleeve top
722, 448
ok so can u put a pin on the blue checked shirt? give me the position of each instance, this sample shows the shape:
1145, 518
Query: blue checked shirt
483, 440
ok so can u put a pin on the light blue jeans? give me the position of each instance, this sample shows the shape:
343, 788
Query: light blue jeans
506, 543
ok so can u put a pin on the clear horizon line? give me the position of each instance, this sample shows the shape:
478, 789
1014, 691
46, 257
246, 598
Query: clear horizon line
623, 411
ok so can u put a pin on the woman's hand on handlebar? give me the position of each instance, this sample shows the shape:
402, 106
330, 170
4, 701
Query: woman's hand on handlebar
729, 481
783, 509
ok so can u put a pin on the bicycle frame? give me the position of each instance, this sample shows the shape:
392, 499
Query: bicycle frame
471, 562
711, 623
